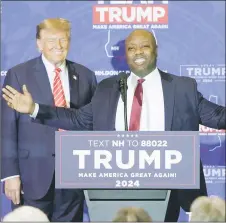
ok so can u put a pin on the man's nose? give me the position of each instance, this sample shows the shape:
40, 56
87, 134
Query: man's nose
139, 51
58, 44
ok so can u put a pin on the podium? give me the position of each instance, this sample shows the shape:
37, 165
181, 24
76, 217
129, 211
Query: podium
121, 169
103, 204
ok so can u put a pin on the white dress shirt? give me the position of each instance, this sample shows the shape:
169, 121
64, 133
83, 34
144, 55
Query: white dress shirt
50, 69
152, 112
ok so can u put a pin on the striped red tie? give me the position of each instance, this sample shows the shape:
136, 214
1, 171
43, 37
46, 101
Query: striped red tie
58, 91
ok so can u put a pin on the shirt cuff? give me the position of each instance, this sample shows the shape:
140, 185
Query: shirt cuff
34, 114
4, 179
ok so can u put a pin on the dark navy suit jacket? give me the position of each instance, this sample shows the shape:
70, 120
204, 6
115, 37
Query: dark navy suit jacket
185, 109
27, 148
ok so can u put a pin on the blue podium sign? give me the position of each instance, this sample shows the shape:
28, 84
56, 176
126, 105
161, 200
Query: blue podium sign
127, 160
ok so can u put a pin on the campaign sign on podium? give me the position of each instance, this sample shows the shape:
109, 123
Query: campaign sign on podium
127, 160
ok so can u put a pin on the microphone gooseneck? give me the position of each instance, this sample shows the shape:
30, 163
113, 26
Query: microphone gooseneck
123, 90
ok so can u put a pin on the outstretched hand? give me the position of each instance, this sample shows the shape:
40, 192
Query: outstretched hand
22, 103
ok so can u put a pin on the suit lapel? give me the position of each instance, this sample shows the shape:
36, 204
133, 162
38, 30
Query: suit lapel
113, 103
73, 78
169, 96
43, 83
112, 106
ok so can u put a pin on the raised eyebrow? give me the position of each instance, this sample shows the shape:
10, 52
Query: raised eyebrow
142, 42
51, 38
146, 42
131, 45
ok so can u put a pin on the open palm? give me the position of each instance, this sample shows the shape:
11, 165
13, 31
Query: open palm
22, 103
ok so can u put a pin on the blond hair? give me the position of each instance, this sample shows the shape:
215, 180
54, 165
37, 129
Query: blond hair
208, 209
132, 214
26, 213
54, 24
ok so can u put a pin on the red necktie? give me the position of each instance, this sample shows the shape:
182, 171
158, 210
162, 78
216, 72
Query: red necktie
136, 107
58, 92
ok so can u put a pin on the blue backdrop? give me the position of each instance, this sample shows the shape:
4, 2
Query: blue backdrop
192, 43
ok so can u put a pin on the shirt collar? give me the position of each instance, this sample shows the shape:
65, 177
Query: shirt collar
50, 67
150, 77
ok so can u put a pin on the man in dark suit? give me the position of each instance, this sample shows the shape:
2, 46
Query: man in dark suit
28, 150
156, 101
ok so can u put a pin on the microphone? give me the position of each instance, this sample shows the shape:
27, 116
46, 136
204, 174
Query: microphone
123, 91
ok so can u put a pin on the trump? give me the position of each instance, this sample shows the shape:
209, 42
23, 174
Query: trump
105, 157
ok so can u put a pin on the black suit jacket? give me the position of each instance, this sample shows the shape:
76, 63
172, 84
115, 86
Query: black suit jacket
185, 109
28, 149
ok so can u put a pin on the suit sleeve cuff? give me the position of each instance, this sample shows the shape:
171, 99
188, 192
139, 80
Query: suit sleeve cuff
4, 179
34, 114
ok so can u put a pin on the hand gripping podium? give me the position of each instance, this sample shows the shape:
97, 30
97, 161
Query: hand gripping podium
103, 204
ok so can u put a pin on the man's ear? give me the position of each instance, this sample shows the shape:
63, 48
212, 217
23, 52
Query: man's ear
156, 51
39, 45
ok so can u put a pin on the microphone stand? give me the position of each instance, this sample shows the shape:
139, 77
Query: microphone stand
123, 87
125, 104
